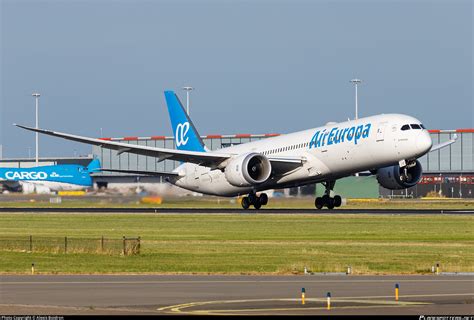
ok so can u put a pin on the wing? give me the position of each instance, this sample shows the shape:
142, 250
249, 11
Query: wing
148, 173
281, 165
208, 159
444, 144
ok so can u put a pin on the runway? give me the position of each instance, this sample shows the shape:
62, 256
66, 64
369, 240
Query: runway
235, 295
230, 211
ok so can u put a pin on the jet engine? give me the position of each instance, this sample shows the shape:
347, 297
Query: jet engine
42, 189
27, 188
248, 169
394, 177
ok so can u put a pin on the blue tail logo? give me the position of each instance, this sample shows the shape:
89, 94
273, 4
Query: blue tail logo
93, 166
180, 134
185, 134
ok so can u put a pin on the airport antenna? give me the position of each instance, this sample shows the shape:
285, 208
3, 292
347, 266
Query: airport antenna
187, 89
356, 82
36, 95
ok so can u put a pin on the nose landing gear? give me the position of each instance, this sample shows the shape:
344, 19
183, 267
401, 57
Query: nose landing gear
327, 200
256, 201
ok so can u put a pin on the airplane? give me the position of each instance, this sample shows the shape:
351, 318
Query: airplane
47, 179
387, 145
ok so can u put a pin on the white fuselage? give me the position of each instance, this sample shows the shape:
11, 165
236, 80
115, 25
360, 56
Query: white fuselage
338, 150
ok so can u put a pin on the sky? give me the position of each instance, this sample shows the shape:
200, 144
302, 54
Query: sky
257, 66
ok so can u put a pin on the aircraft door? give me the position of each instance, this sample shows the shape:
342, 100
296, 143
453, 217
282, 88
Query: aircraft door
381, 132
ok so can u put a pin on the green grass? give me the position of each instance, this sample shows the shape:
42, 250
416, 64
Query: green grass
250, 243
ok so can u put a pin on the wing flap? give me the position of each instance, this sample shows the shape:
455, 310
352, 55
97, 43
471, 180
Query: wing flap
282, 165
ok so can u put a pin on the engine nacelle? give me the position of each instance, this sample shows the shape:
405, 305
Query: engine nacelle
248, 169
27, 188
394, 177
42, 189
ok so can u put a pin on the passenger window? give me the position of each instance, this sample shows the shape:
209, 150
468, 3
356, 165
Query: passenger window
415, 126
405, 127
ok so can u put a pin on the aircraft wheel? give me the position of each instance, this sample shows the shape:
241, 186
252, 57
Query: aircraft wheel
325, 199
330, 203
319, 203
263, 199
252, 198
257, 204
337, 201
245, 203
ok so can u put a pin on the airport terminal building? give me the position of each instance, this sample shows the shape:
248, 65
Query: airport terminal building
450, 169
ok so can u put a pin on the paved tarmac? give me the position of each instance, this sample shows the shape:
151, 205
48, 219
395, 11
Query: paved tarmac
235, 295
232, 211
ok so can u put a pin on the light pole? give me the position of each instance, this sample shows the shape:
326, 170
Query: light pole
356, 82
36, 95
187, 89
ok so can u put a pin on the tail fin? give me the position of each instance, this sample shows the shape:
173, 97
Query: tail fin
94, 165
185, 134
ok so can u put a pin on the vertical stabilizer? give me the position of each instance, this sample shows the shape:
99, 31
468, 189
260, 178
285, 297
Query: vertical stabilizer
185, 134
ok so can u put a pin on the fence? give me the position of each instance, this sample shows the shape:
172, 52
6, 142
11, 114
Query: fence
65, 245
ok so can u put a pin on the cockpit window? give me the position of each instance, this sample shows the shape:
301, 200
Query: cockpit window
405, 127
421, 125
415, 126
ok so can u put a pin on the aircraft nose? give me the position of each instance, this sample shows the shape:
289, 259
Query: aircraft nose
423, 142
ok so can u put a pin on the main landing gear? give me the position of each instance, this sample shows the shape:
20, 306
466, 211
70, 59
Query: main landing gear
327, 200
256, 201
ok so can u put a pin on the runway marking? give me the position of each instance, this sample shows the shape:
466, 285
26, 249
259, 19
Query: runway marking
230, 313
394, 303
232, 281
379, 303
179, 308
